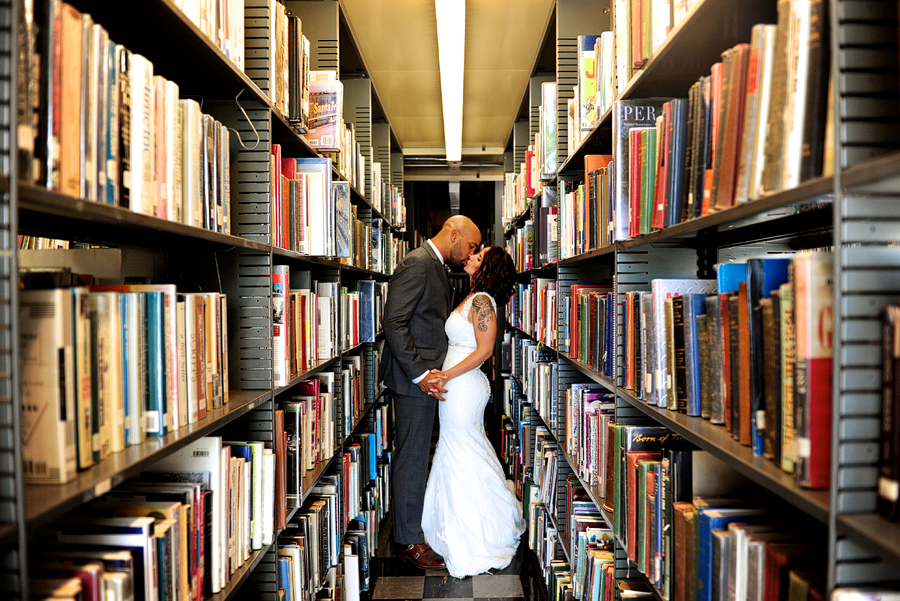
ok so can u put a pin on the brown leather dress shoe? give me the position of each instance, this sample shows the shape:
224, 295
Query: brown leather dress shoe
422, 556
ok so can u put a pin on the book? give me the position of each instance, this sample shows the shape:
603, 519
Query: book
763, 277
48, 385
812, 283
625, 115
888, 503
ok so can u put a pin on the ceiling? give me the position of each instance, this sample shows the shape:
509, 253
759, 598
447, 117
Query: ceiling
396, 41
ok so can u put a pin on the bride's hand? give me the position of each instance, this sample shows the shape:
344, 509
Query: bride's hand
437, 382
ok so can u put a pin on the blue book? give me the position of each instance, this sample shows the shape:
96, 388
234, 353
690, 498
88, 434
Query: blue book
155, 399
376, 248
342, 226
367, 323
610, 336
657, 572
675, 161
284, 577
694, 305
729, 276
708, 519
112, 123
763, 276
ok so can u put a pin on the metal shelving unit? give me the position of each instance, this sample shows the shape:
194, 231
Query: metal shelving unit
239, 264
855, 209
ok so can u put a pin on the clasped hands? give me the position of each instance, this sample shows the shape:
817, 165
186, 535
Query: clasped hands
434, 386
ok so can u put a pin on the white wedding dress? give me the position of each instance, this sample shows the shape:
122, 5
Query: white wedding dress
470, 516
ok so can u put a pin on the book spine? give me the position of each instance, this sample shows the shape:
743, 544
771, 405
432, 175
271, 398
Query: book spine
888, 503
812, 404
155, 413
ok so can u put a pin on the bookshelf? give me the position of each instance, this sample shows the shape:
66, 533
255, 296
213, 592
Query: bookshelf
854, 211
239, 264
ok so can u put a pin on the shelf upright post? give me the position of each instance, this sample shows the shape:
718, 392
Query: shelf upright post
13, 550
573, 18
520, 142
534, 105
321, 21
250, 289
397, 169
866, 222
358, 111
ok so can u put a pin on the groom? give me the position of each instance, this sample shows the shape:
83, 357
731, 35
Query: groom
417, 305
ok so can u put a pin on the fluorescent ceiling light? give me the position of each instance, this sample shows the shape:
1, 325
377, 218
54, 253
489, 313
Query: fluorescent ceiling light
451, 29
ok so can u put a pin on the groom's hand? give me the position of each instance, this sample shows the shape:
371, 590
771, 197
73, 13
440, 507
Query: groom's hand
430, 389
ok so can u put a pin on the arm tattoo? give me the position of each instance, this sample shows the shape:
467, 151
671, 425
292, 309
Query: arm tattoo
484, 312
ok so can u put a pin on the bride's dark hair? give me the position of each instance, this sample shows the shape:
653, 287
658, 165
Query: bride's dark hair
496, 276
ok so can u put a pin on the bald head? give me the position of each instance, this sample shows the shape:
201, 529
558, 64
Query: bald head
458, 238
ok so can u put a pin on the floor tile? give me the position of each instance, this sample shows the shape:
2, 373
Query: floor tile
399, 587
498, 586
447, 587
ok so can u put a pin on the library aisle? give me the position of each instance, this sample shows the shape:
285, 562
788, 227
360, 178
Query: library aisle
397, 579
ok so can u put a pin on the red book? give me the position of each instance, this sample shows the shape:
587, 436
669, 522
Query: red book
280, 448
780, 558
529, 179
637, 44
744, 429
631, 500
275, 190
812, 277
592, 212
658, 220
717, 72
726, 358
634, 186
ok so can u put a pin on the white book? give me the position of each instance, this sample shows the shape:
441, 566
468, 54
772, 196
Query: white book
191, 10
280, 279
268, 496
659, 17
318, 201
182, 360
764, 86
141, 135
191, 163
104, 108
201, 462
225, 177
189, 358
351, 575
172, 135
223, 343
48, 409
110, 368
160, 150
795, 106
250, 523
89, 108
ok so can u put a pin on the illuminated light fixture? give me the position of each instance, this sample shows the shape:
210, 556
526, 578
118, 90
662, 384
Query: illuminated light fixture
451, 30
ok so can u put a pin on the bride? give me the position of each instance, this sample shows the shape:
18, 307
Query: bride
470, 517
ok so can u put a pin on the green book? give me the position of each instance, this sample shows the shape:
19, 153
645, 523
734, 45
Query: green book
648, 177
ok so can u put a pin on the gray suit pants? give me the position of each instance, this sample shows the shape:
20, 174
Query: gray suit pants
413, 426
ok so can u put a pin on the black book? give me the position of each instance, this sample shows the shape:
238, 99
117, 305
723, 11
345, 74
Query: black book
814, 116
700, 147
734, 385
680, 359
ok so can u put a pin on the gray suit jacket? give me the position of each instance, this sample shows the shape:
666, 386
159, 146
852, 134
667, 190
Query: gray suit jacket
417, 305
